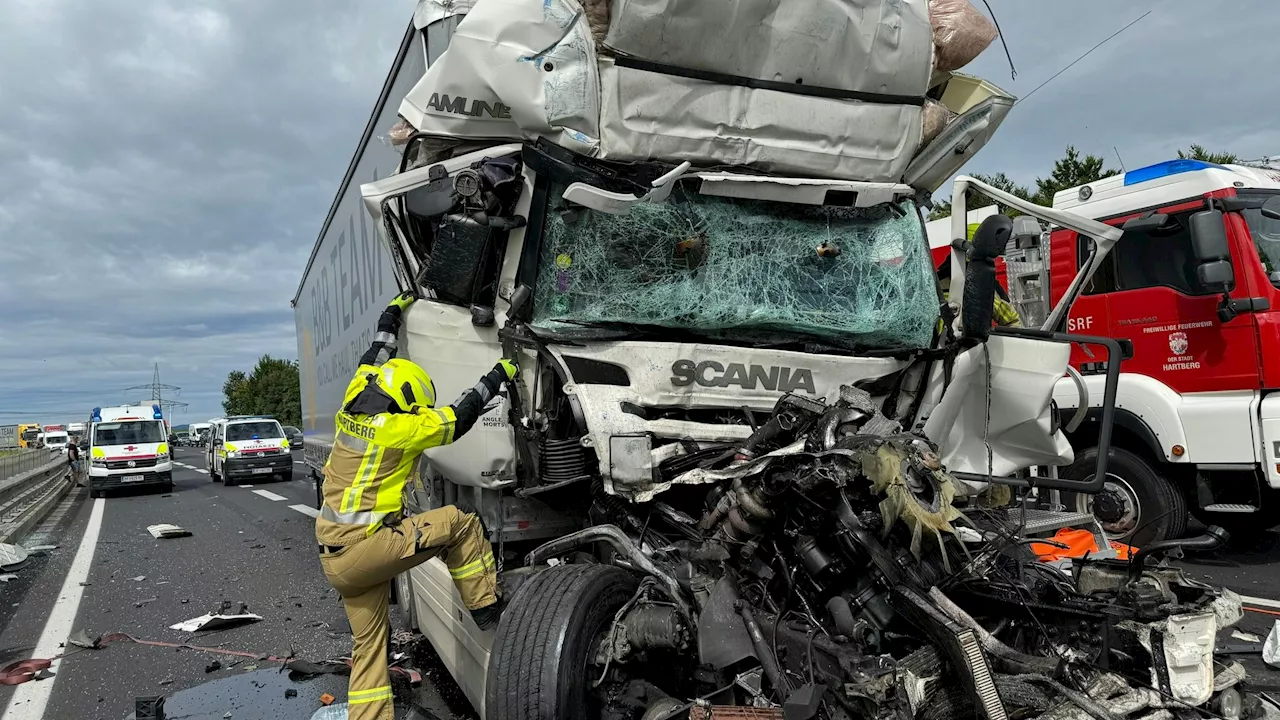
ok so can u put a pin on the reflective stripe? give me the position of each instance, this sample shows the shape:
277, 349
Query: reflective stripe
375, 469
364, 475
358, 444
359, 697
473, 568
351, 518
384, 337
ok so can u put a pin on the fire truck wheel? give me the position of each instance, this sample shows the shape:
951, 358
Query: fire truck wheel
1137, 505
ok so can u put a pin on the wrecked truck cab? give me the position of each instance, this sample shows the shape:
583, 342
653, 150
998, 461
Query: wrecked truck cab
731, 423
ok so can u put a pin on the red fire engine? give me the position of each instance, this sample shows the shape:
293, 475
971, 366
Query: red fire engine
1194, 286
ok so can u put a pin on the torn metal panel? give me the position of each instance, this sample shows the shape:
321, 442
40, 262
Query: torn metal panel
1000, 399
656, 379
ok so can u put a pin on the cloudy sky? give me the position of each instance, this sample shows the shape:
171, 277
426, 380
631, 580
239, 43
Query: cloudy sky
165, 166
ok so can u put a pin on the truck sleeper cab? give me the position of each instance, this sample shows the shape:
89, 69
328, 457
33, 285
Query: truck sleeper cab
128, 447
242, 447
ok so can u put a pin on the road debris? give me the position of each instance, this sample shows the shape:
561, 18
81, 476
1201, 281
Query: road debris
12, 557
42, 548
213, 667
144, 601
7, 577
164, 531
215, 622
290, 693
149, 707
823, 575
1271, 648
139, 578
326, 699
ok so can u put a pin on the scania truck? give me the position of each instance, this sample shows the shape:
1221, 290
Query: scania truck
671, 283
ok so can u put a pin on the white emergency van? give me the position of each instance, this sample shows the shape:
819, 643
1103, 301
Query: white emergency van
247, 446
128, 447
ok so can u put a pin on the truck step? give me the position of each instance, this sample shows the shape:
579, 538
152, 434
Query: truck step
1230, 508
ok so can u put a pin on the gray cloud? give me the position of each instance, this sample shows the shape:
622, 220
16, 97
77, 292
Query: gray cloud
167, 168
168, 163
1190, 72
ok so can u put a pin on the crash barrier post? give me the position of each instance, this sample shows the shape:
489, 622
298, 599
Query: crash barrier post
30, 486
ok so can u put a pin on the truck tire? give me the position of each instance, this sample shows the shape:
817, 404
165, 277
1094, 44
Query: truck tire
286, 476
1150, 506
403, 588
539, 664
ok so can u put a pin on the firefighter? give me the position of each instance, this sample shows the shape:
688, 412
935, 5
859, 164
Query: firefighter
1003, 314
387, 419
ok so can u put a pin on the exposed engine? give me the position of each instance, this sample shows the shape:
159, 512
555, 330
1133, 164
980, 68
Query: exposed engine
829, 574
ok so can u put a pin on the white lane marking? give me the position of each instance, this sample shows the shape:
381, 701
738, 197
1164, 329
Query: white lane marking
202, 471
270, 495
244, 486
306, 510
1261, 602
29, 699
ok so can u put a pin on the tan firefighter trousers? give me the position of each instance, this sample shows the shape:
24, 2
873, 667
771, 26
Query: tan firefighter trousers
361, 573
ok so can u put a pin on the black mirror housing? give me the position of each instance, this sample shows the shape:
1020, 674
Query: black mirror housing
1209, 236
991, 238
1216, 275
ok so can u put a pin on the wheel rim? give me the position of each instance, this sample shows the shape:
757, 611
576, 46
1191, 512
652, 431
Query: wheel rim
1121, 492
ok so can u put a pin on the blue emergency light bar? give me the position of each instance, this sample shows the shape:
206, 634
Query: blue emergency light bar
156, 410
1167, 168
96, 415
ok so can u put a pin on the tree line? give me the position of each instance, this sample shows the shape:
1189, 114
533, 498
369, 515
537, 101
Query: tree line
272, 388
1071, 171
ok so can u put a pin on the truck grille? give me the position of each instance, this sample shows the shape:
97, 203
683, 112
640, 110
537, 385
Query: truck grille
131, 464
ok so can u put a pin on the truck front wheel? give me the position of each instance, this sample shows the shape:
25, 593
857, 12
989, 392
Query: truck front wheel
1136, 506
542, 664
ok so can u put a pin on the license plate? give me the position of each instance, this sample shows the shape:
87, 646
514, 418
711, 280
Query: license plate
262, 471
131, 478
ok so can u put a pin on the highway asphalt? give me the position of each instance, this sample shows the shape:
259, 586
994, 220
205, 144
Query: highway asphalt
250, 544
254, 545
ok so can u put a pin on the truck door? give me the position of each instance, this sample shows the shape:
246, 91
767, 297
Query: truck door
1153, 299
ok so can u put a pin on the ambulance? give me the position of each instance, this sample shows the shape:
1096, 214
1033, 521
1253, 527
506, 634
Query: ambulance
248, 446
1193, 289
128, 447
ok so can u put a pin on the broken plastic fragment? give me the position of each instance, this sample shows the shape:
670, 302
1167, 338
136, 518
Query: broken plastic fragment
1271, 648
214, 622
167, 530
12, 556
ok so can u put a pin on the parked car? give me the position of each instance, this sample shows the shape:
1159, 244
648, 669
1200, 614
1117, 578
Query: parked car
294, 435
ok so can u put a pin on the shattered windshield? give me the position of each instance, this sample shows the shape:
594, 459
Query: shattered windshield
853, 276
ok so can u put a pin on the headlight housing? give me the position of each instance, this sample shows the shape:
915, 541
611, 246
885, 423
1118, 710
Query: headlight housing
97, 462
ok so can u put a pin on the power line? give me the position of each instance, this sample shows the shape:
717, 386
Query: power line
1073, 62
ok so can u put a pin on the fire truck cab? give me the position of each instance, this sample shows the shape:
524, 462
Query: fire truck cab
1193, 286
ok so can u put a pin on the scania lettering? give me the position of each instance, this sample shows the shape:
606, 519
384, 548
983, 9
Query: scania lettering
710, 373
660, 307
1194, 286
128, 447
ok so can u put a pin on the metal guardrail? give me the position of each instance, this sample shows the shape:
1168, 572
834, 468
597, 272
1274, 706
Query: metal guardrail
25, 461
27, 496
